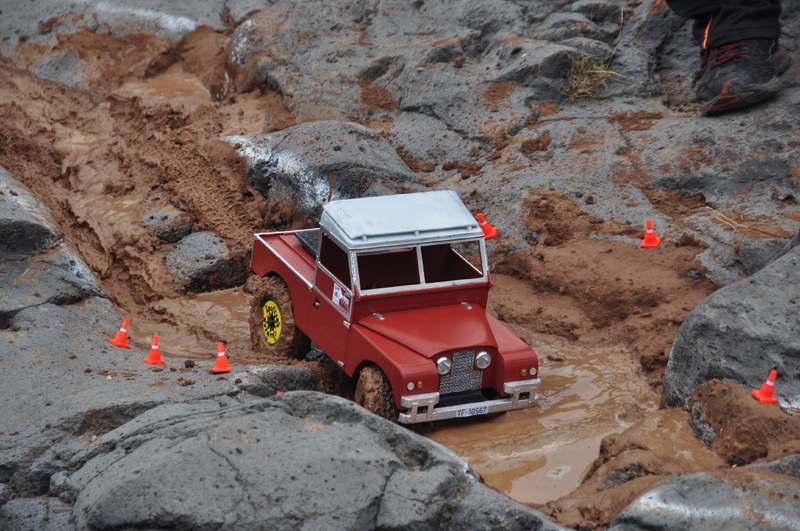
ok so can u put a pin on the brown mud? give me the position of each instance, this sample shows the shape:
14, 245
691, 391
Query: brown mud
601, 314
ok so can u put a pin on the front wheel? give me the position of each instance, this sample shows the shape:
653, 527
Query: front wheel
374, 393
273, 332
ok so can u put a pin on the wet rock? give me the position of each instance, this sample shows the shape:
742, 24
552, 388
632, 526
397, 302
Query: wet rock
741, 332
58, 277
166, 222
202, 262
755, 254
302, 457
26, 227
267, 380
303, 167
751, 501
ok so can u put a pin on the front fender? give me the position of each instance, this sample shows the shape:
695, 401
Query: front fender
401, 364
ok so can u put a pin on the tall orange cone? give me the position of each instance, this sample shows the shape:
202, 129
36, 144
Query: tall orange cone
222, 359
489, 231
121, 339
766, 394
155, 354
650, 239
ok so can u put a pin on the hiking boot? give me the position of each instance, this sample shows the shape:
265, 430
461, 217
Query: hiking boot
740, 74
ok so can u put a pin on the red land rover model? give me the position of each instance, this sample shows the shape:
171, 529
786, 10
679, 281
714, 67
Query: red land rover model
394, 290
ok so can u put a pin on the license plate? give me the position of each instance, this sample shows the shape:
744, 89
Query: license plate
470, 411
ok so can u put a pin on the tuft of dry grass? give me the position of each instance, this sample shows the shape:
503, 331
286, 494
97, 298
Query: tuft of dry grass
587, 74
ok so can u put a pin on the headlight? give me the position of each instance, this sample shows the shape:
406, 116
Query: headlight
443, 365
482, 360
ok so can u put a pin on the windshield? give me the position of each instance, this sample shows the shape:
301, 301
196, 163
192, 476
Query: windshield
422, 266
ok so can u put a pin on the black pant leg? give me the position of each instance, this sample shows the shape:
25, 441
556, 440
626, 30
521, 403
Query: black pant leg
730, 21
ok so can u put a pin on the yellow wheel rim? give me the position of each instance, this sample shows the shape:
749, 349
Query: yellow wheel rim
271, 322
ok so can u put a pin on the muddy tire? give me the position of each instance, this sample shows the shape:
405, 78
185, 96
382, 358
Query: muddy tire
374, 393
273, 332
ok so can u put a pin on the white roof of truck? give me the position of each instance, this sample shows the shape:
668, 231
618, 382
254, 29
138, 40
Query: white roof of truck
401, 219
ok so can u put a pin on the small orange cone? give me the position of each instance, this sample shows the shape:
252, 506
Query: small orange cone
650, 239
489, 231
121, 339
766, 394
222, 360
155, 354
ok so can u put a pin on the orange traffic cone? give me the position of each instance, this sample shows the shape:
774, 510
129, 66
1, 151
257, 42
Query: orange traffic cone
489, 231
155, 354
650, 239
222, 360
766, 394
121, 339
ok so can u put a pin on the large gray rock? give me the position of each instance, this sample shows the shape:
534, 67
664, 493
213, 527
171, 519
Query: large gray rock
26, 227
58, 277
303, 167
202, 262
700, 502
86, 387
741, 332
297, 461
166, 222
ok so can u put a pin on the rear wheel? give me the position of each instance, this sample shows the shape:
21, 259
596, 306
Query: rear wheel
273, 332
374, 393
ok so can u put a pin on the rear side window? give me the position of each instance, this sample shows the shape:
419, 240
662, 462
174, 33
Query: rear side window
334, 259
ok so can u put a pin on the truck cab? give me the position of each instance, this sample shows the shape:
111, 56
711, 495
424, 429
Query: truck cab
394, 290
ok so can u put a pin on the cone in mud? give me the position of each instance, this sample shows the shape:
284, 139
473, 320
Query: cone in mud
121, 339
650, 239
488, 230
155, 354
766, 394
222, 359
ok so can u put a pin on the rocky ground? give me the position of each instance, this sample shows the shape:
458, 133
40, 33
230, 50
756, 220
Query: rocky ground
143, 143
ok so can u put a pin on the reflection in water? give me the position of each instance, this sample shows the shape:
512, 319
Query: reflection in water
540, 454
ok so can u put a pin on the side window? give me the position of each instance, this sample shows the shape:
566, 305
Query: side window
334, 258
443, 262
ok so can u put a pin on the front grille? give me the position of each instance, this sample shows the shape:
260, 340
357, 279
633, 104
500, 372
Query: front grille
461, 377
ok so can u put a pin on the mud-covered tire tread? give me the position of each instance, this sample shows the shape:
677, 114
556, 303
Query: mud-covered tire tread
374, 393
293, 343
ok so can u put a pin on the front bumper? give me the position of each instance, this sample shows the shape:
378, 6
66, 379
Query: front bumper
422, 408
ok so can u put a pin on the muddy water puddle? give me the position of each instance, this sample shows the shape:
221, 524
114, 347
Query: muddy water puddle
540, 454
